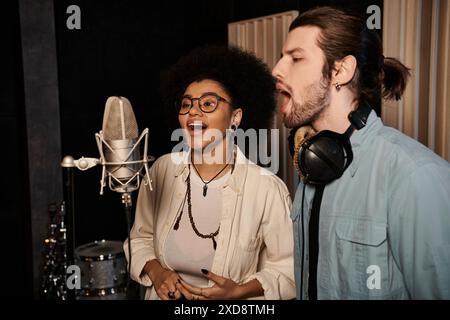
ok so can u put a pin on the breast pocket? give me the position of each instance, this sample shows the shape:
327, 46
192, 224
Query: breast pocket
362, 232
361, 257
245, 258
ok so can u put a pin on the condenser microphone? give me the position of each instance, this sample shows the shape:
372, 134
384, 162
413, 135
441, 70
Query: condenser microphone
119, 147
120, 132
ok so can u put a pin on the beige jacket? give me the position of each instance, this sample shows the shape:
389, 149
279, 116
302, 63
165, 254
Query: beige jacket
255, 239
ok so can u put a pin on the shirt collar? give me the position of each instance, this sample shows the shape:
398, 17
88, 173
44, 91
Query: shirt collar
361, 139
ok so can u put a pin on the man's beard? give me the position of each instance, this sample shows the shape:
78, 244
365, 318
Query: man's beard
316, 101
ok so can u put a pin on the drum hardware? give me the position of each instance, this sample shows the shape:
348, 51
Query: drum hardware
53, 286
103, 294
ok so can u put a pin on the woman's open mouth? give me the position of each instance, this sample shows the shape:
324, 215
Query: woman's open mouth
196, 127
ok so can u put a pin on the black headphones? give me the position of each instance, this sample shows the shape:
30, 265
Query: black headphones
325, 156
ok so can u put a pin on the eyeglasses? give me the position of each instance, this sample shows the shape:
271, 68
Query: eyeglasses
208, 103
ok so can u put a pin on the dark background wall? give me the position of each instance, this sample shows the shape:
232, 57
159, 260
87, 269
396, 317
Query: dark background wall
120, 50
15, 232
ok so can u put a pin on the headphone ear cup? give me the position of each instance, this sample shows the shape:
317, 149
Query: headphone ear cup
301, 135
324, 157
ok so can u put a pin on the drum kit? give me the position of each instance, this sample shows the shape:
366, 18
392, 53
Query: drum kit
103, 271
101, 266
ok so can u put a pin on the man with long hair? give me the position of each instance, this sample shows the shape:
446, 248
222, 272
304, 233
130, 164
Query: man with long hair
372, 213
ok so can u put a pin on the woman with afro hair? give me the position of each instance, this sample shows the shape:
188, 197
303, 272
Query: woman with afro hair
216, 225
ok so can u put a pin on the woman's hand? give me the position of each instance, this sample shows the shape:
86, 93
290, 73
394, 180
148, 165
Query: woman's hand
163, 279
223, 288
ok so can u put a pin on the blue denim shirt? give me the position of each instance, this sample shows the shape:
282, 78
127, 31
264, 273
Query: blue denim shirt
384, 230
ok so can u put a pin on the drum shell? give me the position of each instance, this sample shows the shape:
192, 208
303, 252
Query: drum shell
107, 269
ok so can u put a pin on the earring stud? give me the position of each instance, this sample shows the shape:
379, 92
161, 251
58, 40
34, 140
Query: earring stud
338, 86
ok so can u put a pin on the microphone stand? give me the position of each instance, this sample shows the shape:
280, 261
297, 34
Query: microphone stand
115, 184
68, 164
127, 205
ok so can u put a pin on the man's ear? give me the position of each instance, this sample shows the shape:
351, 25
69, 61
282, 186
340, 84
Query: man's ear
344, 70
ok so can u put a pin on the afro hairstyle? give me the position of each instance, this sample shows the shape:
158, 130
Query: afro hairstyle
246, 79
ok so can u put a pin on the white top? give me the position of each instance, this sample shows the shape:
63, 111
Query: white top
185, 251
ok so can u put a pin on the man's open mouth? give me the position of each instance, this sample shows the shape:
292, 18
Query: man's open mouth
284, 97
